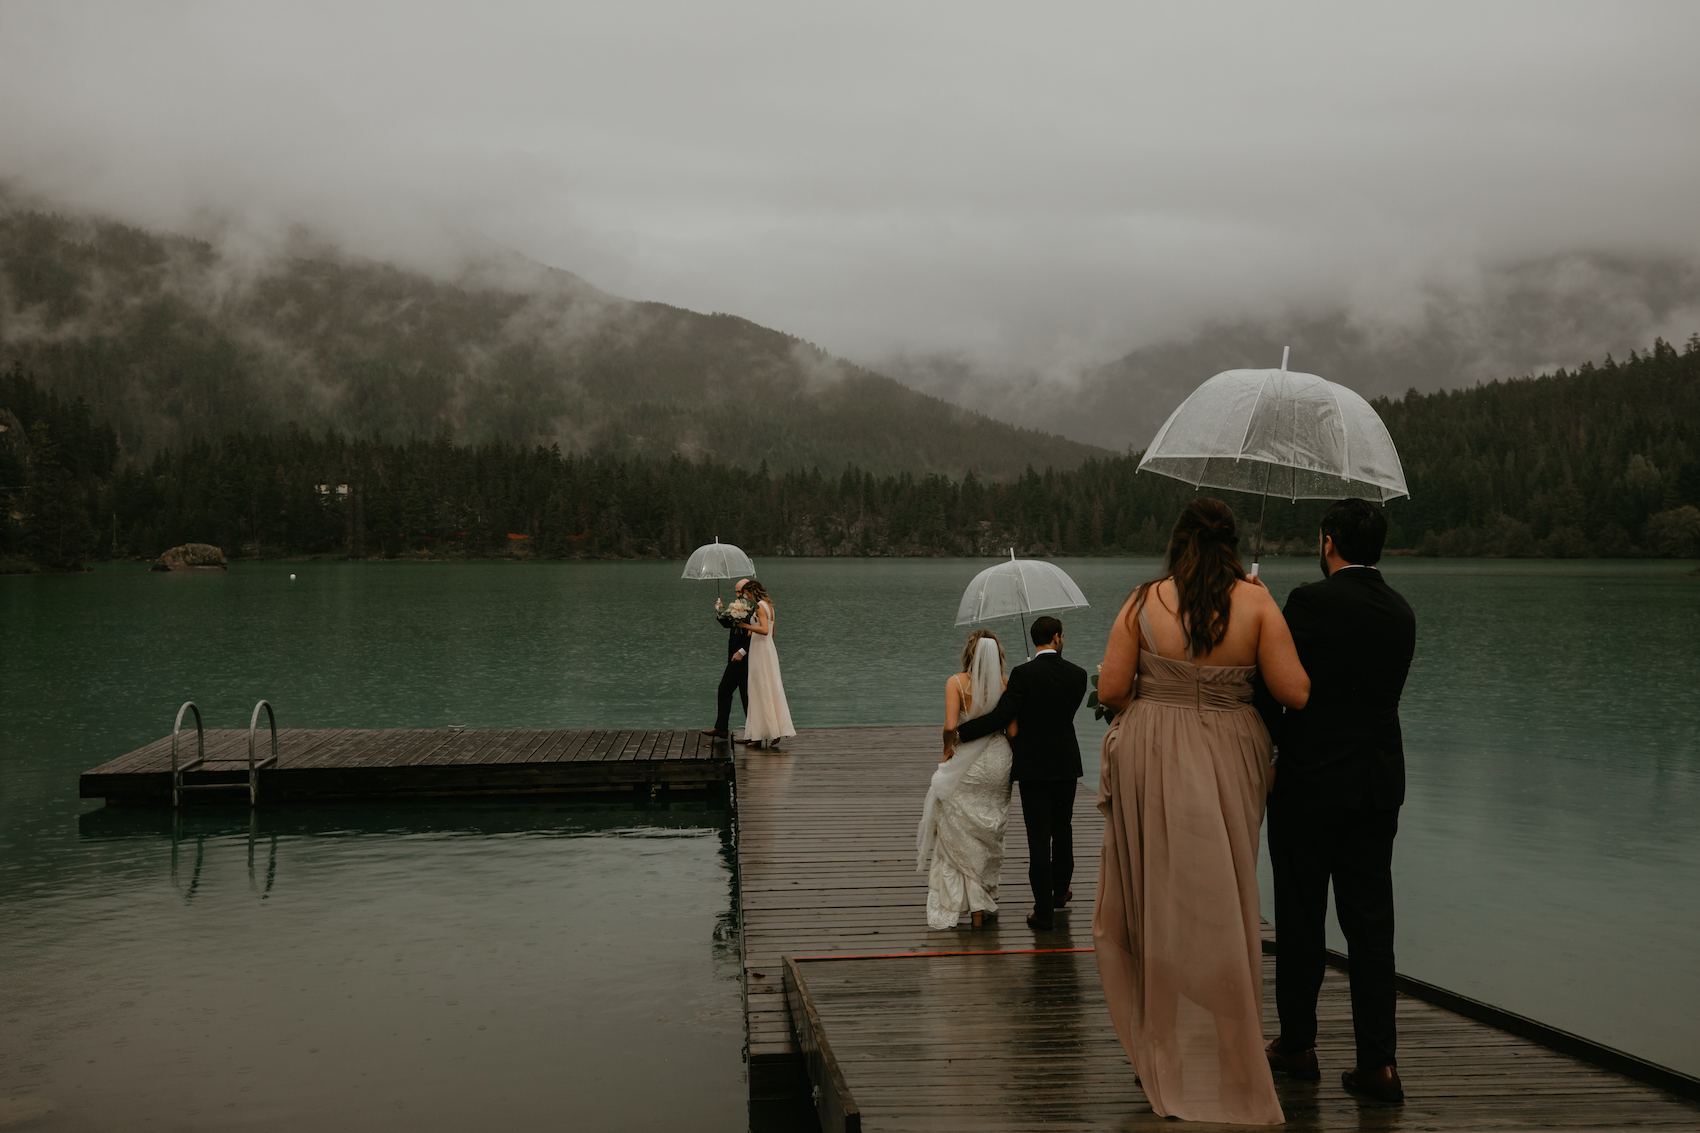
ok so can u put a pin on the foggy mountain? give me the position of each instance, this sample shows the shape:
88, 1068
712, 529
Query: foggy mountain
1523, 320
172, 339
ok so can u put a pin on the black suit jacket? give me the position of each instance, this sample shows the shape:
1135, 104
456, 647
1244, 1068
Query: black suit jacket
1355, 637
1043, 695
737, 638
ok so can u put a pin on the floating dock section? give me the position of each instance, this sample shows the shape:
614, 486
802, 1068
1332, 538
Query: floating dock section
351, 763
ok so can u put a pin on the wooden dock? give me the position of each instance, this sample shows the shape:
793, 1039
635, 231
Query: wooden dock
352, 763
898, 1027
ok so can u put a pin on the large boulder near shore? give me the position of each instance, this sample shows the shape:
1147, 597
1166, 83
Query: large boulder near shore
191, 556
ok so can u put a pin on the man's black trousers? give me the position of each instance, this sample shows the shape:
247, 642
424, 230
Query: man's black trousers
1047, 807
736, 679
1309, 844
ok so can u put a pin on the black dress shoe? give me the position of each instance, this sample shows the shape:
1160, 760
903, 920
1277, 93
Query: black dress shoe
1033, 922
1063, 898
1300, 1064
716, 733
1380, 1082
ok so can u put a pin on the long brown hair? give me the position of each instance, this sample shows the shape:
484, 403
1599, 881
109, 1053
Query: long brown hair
755, 591
974, 644
1204, 561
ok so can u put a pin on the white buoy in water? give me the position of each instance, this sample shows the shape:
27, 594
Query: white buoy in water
292, 578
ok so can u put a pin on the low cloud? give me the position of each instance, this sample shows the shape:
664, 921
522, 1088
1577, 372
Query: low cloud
1029, 193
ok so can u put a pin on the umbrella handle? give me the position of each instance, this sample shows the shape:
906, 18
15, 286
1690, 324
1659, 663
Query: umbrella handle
1252, 573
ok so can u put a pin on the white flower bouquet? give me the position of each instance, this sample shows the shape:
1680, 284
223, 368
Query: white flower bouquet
740, 612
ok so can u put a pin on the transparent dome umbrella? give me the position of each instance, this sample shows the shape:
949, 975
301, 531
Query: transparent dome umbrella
1017, 589
718, 560
1278, 433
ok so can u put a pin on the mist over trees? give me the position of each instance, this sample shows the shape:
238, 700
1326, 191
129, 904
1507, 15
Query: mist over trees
1602, 461
171, 341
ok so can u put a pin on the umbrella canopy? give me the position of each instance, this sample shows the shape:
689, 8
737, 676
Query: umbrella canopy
719, 560
1278, 433
1018, 588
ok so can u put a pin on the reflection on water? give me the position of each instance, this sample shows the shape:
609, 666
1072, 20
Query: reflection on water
442, 965
436, 966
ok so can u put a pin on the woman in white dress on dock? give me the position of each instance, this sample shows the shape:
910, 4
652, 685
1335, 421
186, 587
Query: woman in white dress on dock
768, 718
967, 807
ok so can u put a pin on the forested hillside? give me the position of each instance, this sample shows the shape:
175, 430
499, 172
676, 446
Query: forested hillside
1603, 461
1565, 464
173, 342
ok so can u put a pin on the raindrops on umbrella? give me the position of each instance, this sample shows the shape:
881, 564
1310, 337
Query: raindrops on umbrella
718, 560
1278, 433
1018, 589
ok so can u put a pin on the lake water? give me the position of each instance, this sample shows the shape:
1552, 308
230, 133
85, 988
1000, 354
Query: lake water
443, 966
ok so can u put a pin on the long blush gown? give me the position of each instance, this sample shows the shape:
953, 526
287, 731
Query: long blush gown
1185, 775
768, 716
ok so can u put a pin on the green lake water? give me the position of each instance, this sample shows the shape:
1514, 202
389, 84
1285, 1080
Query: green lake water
446, 966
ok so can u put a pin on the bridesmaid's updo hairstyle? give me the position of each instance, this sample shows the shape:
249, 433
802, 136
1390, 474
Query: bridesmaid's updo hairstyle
974, 644
1204, 561
755, 591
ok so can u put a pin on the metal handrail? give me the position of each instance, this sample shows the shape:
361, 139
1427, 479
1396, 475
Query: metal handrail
200, 751
254, 768
255, 764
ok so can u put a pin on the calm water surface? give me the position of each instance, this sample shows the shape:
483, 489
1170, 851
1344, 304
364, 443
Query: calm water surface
444, 966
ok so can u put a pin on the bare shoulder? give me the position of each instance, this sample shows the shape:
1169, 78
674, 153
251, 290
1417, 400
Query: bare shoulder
1247, 591
1253, 600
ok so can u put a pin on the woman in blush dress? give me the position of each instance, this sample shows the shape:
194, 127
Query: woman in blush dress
767, 720
1186, 771
967, 806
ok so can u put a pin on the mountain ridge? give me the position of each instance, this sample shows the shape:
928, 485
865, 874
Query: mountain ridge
171, 339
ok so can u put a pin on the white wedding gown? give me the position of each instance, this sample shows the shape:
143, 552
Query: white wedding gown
768, 717
967, 811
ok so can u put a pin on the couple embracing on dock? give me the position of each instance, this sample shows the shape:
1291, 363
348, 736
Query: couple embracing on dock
1208, 679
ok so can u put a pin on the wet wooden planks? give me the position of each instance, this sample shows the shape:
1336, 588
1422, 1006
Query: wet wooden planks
331, 763
988, 1042
826, 863
1009, 1038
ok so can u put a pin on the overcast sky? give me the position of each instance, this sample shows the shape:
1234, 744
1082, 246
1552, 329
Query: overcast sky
1040, 186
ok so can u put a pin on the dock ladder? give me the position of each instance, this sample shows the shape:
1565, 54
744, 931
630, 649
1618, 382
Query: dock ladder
178, 786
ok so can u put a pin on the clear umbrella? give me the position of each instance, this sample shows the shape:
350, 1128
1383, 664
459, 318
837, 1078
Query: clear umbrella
1280, 433
718, 560
1017, 589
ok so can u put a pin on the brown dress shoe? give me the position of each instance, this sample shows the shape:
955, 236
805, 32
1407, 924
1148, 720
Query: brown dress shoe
1063, 898
1300, 1064
1033, 922
1380, 1082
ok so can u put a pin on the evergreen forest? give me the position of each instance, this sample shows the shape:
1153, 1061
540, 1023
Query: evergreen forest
1600, 461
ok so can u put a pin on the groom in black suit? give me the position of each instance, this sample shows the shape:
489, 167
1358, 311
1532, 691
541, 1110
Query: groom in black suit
736, 678
1042, 697
1335, 807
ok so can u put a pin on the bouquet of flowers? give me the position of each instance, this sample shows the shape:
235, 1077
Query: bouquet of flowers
740, 612
1100, 711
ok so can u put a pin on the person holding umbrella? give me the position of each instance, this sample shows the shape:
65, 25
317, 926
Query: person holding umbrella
1294, 435
736, 678
1335, 811
1043, 695
721, 561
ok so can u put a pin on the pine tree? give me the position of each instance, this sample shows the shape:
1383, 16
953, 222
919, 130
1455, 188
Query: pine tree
57, 531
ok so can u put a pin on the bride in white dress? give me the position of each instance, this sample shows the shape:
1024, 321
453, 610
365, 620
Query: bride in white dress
967, 807
768, 717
